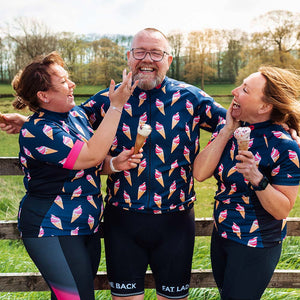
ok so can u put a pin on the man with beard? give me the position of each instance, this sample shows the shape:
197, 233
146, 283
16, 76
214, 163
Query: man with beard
149, 216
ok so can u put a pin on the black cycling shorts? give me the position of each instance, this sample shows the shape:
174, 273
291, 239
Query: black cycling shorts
242, 272
68, 264
135, 240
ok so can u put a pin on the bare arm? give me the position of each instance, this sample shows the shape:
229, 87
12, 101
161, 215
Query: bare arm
278, 200
207, 160
95, 150
12, 123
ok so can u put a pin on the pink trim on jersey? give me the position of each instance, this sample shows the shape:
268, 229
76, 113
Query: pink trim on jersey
71, 159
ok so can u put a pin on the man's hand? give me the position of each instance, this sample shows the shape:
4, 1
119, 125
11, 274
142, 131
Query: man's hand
12, 123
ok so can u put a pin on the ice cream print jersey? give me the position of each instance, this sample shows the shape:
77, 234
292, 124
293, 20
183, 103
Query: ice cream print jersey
238, 214
163, 180
59, 200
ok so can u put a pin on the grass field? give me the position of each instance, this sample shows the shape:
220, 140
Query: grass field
13, 257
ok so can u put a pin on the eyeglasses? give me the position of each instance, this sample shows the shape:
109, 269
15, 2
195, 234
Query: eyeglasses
155, 55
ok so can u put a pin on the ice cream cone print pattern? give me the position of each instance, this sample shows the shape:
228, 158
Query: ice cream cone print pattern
231, 171
90, 199
76, 193
175, 97
114, 144
196, 120
128, 108
45, 150
78, 175
189, 107
157, 200
141, 190
275, 171
159, 178
196, 144
128, 177
116, 186
143, 119
23, 161
241, 210
175, 119
175, 143
266, 140
142, 166
75, 231
222, 189
246, 199
127, 198
187, 131
25, 133
160, 153
182, 196
77, 212
59, 202
126, 130
191, 184
172, 189
160, 106
208, 111
280, 135
41, 232
257, 158
294, 157
275, 154
102, 111
236, 229
233, 189
186, 153
220, 171
222, 216
252, 242
47, 130
173, 166
142, 98
91, 222
254, 226
232, 149
90, 179
160, 129
283, 223
68, 141
183, 174
91, 102
56, 222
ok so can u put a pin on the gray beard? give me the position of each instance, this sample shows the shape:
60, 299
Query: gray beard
145, 83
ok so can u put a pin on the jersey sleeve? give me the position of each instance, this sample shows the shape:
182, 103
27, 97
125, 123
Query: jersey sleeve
49, 143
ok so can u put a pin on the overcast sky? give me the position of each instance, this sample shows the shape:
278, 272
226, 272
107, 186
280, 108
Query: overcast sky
129, 16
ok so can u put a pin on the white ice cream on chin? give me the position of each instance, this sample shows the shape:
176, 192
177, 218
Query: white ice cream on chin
144, 130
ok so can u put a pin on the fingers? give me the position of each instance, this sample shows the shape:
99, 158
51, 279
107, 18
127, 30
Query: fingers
112, 86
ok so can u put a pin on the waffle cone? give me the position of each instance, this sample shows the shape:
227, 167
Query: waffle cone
139, 142
243, 144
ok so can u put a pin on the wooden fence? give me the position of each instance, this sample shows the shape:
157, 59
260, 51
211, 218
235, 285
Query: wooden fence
18, 282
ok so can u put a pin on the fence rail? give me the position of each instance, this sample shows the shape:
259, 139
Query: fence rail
19, 282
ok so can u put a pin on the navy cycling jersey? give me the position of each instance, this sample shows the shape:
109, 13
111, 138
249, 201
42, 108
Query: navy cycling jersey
163, 180
58, 201
238, 214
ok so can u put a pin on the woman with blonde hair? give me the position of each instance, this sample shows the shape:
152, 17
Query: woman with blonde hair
257, 187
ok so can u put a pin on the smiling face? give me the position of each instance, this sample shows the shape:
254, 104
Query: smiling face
59, 97
149, 73
248, 104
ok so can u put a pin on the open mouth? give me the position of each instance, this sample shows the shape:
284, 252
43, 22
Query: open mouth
146, 69
235, 105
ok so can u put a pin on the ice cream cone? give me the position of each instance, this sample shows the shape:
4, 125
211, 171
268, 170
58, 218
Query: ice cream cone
242, 135
142, 134
254, 226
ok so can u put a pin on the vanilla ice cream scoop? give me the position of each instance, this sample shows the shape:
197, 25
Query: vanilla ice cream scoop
142, 133
144, 130
242, 135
